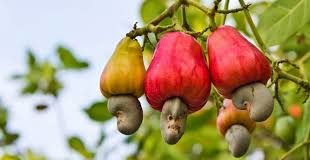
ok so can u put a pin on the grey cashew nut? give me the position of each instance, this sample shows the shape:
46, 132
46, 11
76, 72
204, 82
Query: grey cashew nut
238, 138
173, 120
127, 109
257, 98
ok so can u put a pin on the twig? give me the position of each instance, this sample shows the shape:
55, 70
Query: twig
276, 95
226, 8
228, 11
294, 149
147, 29
184, 20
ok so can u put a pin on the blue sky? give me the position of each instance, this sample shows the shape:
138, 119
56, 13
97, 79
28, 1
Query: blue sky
91, 28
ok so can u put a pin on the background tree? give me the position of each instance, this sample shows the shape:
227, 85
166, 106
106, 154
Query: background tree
279, 32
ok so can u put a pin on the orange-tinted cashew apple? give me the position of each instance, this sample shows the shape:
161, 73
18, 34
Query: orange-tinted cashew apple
177, 82
239, 71
236, 125
122, 83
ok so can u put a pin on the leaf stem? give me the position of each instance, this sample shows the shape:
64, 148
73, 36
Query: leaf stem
253, 28
294, 149
185, 25
226, 6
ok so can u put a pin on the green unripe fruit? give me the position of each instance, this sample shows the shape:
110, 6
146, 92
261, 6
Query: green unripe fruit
284, 128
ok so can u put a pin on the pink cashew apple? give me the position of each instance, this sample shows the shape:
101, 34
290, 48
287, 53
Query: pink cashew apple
177, 82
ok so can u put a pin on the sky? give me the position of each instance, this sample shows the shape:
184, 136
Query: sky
91, 29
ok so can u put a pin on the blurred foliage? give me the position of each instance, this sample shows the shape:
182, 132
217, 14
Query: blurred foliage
282, 19
283, 23
42, 76
28, 155
6, 137
68, 61
78, 145
98, 111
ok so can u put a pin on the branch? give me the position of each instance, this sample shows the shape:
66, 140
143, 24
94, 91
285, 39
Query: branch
147, 29
166, 13
303, 83
152, 26
228, 11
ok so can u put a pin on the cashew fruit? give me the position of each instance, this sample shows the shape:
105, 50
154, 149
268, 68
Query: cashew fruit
284, 128
124, 73
122, 83
177, 82
236, 125
239, 71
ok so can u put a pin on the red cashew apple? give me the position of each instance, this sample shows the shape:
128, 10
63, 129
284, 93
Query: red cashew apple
239, 71
177, 82
236, 125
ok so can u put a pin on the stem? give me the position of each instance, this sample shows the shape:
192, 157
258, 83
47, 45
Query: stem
199, 6
303, 83
184, 20
147, 29
152, 26
294, 149
253, 28
166, 13
226, 8
228, 11
304, 58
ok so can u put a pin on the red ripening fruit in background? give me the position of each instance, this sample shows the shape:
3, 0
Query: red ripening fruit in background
295, 111
177, 82
236, 125
239, 71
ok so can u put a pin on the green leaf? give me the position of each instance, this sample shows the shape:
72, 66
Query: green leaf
31, 60
304, 127
8, 138
241, 24
7, 156
282, 19
78, 145
30, 88
3, 116
196, 18
98, 111
68, 60
30, 155
151, 9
